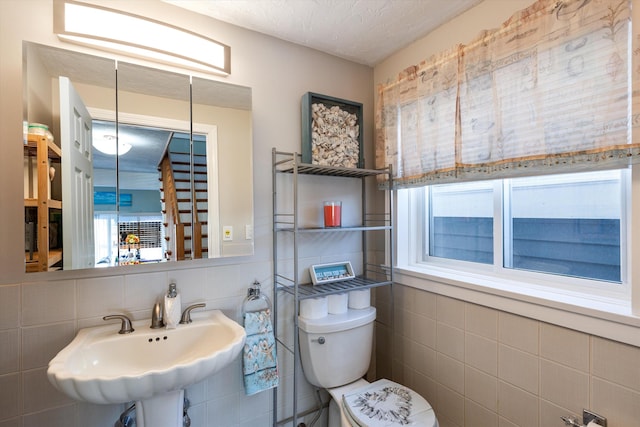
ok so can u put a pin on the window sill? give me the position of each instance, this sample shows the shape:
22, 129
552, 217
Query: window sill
607, 318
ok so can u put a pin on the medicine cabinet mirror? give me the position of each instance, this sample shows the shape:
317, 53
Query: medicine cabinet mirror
142, 165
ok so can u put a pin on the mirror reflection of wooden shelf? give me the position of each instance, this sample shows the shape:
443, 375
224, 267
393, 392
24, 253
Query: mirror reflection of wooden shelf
45, 152
52, 204
33, 264
35, 141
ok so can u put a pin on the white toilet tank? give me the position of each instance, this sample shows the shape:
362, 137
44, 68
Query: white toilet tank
336, 349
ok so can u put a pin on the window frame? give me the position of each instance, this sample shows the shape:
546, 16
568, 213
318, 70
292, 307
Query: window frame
412, 242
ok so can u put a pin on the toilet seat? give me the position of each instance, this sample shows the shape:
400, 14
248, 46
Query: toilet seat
383, 403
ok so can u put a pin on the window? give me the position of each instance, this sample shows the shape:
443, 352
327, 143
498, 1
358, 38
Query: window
568, 228
110, 230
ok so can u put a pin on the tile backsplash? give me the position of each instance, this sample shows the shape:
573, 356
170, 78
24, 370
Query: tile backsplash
38, 319
483, 367
477, 366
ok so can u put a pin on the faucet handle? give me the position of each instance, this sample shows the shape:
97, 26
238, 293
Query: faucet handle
186, 314
126, 327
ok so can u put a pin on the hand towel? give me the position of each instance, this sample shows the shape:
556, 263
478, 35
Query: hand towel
259, 364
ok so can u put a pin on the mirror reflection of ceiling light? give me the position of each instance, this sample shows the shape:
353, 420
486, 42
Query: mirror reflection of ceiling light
108, 145
138, 36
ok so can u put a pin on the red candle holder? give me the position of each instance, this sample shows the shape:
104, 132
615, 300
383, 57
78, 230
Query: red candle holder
332, 214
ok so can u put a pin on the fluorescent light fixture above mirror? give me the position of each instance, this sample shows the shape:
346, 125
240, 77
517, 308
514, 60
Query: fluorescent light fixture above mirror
118, 31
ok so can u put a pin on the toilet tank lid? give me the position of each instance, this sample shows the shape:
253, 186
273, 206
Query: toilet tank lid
353, 318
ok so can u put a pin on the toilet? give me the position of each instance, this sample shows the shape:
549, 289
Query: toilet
335, 351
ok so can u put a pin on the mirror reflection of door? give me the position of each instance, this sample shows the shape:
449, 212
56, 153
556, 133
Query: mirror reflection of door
77, 179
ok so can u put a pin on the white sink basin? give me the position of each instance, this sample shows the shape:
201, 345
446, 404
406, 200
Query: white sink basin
101, 366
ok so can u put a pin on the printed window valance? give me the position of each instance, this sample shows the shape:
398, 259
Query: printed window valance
548, 92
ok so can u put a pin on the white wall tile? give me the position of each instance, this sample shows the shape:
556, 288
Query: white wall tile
48, 302
424, 330
550, 414
519, 332
450, 405
10, 396
518, 368
450, 373
503, 422
9, 306
476, 415
450, 341
40, 344
426, 387
481, 353
101, 415
564, 386
425, 304
616, 362
9, 351
517, 405
56, 417
13, 422
100, 296
426, 362
226, 382
142, 291
620, 405
481, 388
218, 413
482, 321
450, 311
562, 345
190, 284
402, 322
39, 394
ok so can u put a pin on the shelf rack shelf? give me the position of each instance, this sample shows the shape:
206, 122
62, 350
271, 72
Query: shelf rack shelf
373, 275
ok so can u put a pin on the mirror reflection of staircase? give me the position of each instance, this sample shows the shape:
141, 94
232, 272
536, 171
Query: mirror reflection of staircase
185, 200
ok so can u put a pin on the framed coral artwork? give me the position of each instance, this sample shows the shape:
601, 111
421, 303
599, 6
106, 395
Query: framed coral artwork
331, 131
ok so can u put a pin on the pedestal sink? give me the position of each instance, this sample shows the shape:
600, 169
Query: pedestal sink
149, 366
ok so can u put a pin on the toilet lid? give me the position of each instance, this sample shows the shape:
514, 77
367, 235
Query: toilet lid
385, 403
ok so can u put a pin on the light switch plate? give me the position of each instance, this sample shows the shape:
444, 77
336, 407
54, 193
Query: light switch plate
227, 233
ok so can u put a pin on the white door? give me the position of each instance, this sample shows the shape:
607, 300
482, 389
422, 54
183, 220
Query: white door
77, 180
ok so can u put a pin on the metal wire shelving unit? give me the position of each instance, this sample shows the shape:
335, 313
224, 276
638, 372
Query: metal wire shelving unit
373, 275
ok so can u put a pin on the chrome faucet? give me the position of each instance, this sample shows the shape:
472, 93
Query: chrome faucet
126, 327
156, 317
186, 314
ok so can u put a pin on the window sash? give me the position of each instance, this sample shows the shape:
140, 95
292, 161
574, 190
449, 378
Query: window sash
420, 225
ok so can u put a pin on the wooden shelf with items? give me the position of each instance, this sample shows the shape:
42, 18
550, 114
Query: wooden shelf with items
44, 150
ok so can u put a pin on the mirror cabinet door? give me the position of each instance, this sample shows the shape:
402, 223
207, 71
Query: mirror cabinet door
222, 132
154, 177
49, 229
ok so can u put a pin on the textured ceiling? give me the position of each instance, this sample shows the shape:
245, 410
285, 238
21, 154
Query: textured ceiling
363, 31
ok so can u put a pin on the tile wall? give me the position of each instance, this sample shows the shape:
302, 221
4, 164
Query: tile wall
481, 367
39, 319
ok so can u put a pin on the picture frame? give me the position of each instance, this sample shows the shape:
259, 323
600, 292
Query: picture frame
332, 272
340, 122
